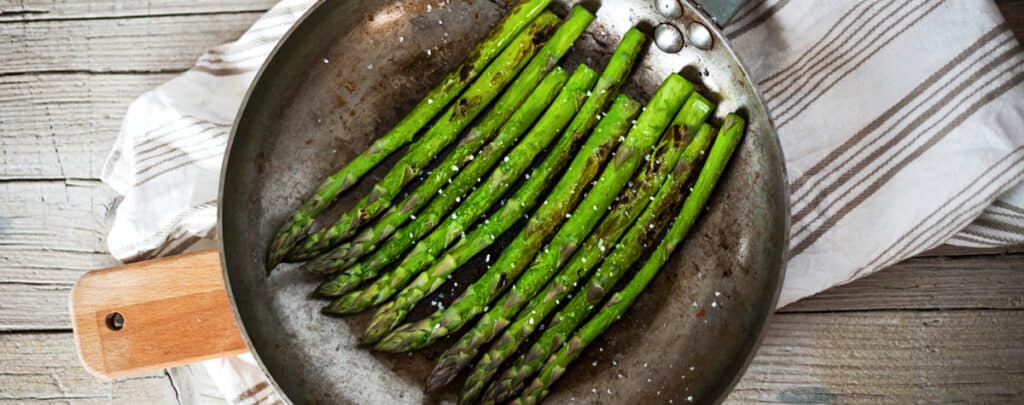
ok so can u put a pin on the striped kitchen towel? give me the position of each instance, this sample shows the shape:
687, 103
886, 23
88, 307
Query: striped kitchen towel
902, 124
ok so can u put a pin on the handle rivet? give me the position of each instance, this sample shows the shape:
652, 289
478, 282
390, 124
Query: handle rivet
669, 8
699, 36
115, 321
668, 38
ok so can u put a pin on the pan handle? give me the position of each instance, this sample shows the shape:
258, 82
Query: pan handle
153, 314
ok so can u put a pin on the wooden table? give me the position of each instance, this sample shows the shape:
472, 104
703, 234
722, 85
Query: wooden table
939, 328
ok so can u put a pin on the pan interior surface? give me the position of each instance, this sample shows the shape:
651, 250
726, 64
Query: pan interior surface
350, 71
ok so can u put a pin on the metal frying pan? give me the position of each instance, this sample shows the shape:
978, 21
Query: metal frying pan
691, 334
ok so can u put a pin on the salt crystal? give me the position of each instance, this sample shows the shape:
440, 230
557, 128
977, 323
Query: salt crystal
429, 52
689, 398
718, 294
401, 39
326, 61
455, 168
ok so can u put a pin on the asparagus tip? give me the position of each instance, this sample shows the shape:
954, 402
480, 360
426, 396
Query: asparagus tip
443, 374
338, 286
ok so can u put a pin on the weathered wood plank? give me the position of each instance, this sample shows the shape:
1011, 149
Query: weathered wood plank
889, 357
63, 125
947, 250
144, 44
52, 231
972, 282
33, 10
44, 368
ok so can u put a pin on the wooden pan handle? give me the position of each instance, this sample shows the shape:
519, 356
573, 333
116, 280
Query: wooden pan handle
153, 314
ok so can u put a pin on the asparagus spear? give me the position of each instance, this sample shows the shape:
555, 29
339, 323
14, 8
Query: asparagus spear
403, 132
596, 150
614, 75
513, 260
627, 209
515, 164
617, 305
577, 21
646, 230
447, 128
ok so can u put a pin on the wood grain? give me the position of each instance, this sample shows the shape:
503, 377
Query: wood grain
35, 10
52, 231
174, 312
889, 357
145, 44
977, 282
44, 368
57, 126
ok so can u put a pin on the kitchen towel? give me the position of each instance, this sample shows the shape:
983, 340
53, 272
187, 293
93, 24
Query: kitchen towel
902, 124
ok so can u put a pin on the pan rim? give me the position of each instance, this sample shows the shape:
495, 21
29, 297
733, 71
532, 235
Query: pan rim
232, 137
701, 17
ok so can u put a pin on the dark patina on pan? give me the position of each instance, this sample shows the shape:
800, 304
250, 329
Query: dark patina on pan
350, 70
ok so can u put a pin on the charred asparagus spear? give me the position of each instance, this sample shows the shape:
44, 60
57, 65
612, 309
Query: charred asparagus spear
628, 207
597, 149
615, 73
644, 232
617, 305
577, 21
448, 127
403, 132
513, 260
498, 183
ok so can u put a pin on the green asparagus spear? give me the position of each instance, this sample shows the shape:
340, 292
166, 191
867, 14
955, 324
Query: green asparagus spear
628, 207
597, 149
476, 204
617, 305
577, 21
403, 132
614, 75
446, 129
513, 260
645, 231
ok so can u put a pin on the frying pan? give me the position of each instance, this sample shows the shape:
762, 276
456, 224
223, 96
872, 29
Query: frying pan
691, 335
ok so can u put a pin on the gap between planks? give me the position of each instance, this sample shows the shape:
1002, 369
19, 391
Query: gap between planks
54, 10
